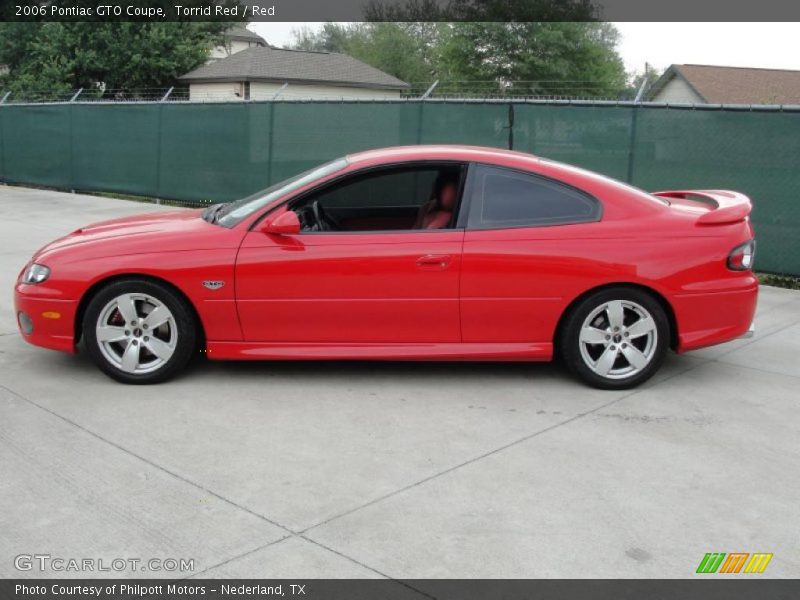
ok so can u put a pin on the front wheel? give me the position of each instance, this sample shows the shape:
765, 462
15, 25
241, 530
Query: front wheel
616, 338
139, 331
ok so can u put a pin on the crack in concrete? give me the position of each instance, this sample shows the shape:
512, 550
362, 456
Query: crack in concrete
290, 532
144, 460
302, 533
759, 370
753, 341
498, 449
238, 556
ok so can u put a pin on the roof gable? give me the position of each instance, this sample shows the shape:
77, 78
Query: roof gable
735, 85
241, 33
277, 64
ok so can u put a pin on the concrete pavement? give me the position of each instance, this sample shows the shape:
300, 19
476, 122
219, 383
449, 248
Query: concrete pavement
404, 470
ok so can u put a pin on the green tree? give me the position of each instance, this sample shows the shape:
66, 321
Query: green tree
647, 77
331, 37
52, 57
482, 10
532, 58
535, 58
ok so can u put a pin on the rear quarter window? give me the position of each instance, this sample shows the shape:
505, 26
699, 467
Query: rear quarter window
503, 198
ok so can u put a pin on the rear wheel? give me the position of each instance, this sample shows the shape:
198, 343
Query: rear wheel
616, 338
139, 331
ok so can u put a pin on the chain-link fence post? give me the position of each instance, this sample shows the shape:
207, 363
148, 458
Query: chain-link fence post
510, 125
3, 176
71, 138
270, 141
159, 157
420, 116
632, 142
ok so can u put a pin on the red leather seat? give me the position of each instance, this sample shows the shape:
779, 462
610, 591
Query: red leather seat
439, 212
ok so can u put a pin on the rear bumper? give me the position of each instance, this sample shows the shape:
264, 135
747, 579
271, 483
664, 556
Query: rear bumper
707, 319
45, 321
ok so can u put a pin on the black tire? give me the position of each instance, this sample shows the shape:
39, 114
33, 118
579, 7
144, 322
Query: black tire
145, 294
579, 355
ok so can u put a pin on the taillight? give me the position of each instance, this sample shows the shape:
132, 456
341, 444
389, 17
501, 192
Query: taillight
741, 257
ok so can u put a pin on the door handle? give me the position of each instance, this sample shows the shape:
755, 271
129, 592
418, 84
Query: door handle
434, 261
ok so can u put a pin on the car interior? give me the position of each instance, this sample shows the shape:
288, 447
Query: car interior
405, 198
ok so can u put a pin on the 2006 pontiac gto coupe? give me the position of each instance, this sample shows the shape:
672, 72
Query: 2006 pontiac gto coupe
423, 253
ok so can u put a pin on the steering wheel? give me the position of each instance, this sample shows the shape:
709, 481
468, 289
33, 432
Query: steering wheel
320, 217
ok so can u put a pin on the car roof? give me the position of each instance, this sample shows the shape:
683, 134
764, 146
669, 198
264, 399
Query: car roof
441, 152
590, 181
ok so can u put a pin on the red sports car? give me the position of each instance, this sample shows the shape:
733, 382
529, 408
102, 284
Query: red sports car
410, 253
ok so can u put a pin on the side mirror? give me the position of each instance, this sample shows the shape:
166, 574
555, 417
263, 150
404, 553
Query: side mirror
285, 224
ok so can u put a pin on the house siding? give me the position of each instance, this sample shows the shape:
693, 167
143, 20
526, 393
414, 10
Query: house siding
226, 92
677, 91
266, 91
215, 92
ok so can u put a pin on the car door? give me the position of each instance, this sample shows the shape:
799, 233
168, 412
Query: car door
359, 287
519, 262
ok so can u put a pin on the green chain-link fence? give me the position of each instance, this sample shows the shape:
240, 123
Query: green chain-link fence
219, 152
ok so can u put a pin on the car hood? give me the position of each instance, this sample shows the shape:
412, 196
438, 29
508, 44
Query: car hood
130, 234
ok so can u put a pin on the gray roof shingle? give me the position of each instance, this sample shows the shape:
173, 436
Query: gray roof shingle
277, 64
735, 85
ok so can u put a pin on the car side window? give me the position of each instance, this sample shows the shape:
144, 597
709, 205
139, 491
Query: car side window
409, 197
384, 190
504, 198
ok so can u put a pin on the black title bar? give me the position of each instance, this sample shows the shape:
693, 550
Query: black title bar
399, 10
710, 588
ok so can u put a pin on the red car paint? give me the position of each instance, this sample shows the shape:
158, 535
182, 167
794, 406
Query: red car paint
491, 294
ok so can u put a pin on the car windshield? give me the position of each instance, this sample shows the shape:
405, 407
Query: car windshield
230, 214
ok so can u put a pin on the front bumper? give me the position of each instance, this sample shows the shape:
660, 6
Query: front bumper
45, 321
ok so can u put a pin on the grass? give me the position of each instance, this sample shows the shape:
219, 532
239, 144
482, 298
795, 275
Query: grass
117, 196
782, 281
151, 200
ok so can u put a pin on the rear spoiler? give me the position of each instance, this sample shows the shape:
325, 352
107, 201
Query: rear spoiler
726, 206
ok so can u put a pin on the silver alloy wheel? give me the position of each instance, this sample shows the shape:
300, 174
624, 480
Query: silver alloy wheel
618, 339
136, 333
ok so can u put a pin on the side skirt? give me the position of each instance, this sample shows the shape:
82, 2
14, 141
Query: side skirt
523, 352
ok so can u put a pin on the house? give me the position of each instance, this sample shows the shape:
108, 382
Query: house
264, 73
237, 38
705, 84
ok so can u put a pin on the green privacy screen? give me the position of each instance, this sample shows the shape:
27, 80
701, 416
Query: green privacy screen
756, 153
220, 152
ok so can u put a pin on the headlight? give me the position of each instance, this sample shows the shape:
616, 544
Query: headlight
35, 274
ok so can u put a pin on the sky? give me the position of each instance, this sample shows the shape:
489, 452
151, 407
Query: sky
763, 45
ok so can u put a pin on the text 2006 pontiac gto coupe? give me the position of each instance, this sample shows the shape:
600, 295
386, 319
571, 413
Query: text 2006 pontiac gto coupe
423, 253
